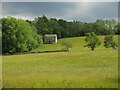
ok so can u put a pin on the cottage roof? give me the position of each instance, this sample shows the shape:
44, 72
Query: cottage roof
50, 35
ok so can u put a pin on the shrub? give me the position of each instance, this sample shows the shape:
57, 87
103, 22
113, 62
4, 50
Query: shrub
66, 44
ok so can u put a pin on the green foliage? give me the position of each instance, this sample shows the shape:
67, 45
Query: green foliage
24, 35
66, 44
65, 28
41, 23
118, 28
109, 42
92, 41
106, 27
18, 35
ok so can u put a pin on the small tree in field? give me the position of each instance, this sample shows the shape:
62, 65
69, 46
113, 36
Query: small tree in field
66, 44
92, 41
109, 42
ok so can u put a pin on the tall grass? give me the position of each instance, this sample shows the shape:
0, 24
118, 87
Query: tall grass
79, 68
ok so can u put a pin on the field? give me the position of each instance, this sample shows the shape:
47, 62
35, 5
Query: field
78, 68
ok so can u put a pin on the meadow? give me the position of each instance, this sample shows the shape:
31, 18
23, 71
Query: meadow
78, 68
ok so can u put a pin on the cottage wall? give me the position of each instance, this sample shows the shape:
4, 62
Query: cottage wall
49, 39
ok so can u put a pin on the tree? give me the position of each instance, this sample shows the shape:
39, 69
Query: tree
18, 35
109, 42
101, 28
118, 29
65, 28
92, 41
66, 44
55, 27
106, 27
41, 23
111, 26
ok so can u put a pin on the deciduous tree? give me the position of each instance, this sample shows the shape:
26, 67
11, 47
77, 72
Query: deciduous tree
92, 41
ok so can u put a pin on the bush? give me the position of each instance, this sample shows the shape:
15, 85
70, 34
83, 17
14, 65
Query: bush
109, 42
66, 44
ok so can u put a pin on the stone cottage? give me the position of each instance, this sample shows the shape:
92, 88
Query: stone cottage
50, 38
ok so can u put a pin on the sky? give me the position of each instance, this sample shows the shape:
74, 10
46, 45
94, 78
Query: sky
80, 11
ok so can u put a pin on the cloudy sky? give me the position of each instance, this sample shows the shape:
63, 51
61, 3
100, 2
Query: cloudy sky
82, 11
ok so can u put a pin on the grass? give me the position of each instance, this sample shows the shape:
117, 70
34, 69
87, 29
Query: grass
78, 68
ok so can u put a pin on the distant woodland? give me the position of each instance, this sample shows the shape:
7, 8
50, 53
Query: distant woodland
19, 35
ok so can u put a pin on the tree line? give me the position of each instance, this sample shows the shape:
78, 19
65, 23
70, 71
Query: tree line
65, 28
20, 35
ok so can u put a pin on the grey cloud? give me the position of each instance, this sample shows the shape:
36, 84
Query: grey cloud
66, 10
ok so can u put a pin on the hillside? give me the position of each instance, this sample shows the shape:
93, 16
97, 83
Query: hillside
77, 44
79, 68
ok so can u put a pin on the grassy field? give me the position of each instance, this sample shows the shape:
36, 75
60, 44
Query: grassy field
78, 68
